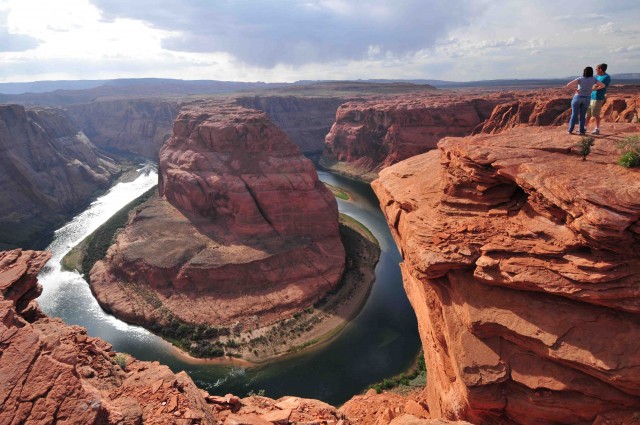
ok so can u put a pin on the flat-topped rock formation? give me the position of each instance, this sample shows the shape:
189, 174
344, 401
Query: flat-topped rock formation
48, 170
244, 232
521, 261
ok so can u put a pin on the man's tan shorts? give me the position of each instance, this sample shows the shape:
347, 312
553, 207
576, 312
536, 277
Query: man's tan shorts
595, 107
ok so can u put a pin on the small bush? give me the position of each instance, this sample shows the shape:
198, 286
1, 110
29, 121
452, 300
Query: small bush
584, 146
121, 360
630, 150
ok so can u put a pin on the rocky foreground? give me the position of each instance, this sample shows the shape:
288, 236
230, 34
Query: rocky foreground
54, 373
521, 262
249, 235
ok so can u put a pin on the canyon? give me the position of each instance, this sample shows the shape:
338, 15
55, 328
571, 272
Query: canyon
519, 258
521, 262
49, 170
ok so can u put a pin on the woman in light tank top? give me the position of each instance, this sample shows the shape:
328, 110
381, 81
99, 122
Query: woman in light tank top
580, 103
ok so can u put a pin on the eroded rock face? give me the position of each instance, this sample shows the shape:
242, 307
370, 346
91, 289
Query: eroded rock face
521, 261
134, 126
48, 170
244, 232
306, 120
371, 135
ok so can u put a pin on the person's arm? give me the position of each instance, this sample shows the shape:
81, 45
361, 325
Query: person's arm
573, 84
598, 86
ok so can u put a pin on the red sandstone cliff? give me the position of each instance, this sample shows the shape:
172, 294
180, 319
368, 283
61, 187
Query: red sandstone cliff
48, 170
244, 232
133, 126
522, 264
371, 135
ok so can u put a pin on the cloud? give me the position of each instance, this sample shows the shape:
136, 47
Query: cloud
296, 32
16, 42
10, 42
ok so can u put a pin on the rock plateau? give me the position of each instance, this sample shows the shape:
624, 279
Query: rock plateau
244, 232
521, 262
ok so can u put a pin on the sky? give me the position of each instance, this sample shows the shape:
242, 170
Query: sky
290, 40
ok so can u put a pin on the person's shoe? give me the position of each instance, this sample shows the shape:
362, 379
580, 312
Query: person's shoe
570, 131
596, 131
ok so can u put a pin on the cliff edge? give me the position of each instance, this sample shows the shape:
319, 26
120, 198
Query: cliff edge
521, 262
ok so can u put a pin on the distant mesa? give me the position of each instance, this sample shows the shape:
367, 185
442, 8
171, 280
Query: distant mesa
243, 232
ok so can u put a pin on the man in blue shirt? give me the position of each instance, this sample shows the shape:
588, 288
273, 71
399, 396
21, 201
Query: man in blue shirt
598, 96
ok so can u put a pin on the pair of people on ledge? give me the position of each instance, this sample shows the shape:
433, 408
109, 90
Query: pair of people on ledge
588, 98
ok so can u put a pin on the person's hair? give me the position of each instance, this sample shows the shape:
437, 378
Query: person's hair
588, 72
603, 66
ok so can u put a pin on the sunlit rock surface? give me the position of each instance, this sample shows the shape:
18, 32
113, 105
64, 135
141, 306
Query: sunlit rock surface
243, 232
521, 261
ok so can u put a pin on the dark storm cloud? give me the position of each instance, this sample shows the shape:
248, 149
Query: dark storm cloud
298, 32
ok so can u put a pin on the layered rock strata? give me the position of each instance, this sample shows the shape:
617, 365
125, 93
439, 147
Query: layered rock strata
371, 135
306, 120
49, 170
130, 126
244, 232
521, 261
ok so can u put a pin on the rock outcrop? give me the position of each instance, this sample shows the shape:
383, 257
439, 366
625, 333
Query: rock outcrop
244, 231
370, 135
373, 134
130, 126
54, 373
521, 262
48, 170
306, 120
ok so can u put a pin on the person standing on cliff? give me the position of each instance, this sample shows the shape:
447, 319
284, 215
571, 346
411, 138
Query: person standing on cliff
598, 96
580, 103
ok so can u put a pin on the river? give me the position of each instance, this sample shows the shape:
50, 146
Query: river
380, 342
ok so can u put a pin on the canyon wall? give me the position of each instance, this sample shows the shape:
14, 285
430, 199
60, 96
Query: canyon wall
521, 262
244, 232
370, 135
306, 120
130, 126
49, 170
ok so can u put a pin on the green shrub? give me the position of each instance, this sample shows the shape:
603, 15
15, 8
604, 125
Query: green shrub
121, 360
630, 159
584, 146
630, 150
